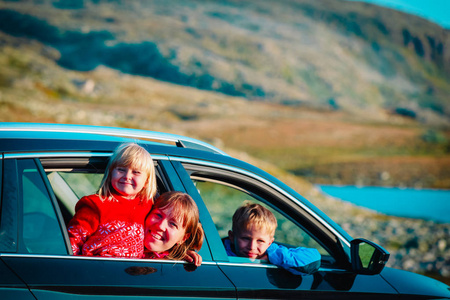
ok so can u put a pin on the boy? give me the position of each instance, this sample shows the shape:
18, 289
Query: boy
252, 236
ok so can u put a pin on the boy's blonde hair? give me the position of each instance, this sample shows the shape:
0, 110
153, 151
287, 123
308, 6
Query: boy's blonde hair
183, 206
130, 155
253, 215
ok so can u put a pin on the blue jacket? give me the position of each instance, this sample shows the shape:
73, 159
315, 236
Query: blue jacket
298, 261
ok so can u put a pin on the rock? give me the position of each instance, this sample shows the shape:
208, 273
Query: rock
442, 245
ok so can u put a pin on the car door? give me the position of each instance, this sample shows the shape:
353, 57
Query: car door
223, 187
35, 244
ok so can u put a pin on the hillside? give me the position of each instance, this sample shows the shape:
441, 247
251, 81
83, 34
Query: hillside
336, 92
288, 52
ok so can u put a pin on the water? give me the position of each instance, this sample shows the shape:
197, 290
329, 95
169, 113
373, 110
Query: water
403, 202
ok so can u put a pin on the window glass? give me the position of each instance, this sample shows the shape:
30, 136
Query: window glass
69, 187
41, 232
70, 182
222, 199
83, 184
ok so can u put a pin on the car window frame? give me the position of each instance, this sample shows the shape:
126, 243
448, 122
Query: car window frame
26, 265
166, 174
53, 202
9, 208
337, 250
13, 193
84, 162
58, 161
211, 236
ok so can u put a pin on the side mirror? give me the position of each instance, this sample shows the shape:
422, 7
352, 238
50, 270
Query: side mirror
367, 257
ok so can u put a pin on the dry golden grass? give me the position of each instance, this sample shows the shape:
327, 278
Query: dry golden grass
328, 146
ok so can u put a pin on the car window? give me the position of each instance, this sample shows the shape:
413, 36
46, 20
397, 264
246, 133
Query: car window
74, 178
41, 232
224, 194
223, 200
83, 184
70, 186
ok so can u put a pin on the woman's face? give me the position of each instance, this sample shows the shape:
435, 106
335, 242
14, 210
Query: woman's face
163, 230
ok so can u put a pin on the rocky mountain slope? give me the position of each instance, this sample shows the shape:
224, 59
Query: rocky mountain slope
338, 92
327, 54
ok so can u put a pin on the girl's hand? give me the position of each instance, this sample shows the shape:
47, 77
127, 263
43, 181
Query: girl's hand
193, 257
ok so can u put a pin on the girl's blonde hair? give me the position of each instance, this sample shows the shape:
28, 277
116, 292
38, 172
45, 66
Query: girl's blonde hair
184, 207
253, 215
130, 155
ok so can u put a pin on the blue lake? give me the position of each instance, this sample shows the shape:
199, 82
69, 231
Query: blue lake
426, 204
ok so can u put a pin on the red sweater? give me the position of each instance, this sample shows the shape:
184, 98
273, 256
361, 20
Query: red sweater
112, 228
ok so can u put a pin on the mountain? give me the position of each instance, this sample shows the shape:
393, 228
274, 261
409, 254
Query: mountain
337, 92
328, 54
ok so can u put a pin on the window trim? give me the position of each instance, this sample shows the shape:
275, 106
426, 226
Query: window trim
10, 192
55, 204
323, 230
68, 154
43, 162
1, 186
211, 237
265, 196
266, 182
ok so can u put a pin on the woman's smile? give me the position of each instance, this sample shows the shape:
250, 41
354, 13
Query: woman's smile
163, 231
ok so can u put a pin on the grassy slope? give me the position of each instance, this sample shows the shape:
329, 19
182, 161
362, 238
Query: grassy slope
292, 52
327, 146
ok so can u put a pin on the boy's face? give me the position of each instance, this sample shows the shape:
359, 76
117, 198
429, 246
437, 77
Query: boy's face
252, 242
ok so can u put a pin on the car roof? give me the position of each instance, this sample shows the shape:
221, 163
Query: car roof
44, 136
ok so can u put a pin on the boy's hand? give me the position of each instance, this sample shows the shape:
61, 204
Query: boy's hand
193, 257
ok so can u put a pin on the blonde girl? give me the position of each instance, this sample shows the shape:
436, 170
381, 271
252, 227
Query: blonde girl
111, 222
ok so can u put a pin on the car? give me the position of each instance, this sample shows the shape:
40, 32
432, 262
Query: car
46, 168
